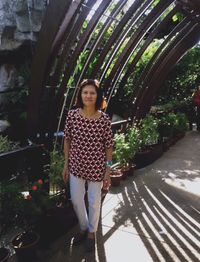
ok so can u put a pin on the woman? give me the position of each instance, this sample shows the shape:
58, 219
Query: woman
88, 157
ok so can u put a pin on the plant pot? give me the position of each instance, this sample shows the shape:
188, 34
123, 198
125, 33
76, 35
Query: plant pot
125, 171
4, 254
25, 245
148, 156
178, 136
115, 176
132, 168
57, 220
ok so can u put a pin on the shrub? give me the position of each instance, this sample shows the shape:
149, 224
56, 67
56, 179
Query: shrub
122, 149
148, 130
6, 145
56, 169
133, 140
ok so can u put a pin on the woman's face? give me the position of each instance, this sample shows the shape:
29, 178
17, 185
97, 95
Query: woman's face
89, 96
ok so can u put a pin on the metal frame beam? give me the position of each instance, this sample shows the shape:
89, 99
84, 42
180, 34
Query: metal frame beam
62, 40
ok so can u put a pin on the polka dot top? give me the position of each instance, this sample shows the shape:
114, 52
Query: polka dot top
89, 138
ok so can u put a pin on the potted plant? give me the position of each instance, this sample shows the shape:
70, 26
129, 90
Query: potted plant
34, 203
57, 186
148, 129
165, 128
122, 153
182, 124
172, 127
10, 212
133, 140
61, 213
149, 148
55, 171
115, 176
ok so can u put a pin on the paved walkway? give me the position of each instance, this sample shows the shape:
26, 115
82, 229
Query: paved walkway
153, 216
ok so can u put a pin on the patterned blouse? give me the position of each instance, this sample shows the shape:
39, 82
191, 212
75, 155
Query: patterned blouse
89, 138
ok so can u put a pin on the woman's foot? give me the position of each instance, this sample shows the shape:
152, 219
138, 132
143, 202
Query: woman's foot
79, 237
90, 242
91, 235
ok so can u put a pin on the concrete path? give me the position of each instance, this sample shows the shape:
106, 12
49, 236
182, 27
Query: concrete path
153, 216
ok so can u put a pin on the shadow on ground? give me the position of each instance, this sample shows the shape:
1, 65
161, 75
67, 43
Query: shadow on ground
162, 217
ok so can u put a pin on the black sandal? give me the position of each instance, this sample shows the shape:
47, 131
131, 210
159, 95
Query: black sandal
90, 244
79, 237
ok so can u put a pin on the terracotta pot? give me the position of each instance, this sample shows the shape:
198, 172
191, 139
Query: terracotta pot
4, 254
125, 171
115, 176
25, 245
131, 169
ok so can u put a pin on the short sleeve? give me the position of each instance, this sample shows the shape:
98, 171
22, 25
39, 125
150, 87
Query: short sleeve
68, 127
108, 134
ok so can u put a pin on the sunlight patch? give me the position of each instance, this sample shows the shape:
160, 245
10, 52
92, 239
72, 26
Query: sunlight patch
189, 185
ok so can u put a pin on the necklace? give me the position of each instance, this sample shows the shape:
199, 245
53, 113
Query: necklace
92, 116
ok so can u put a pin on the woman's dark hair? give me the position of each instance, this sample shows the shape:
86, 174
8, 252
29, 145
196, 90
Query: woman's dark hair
96, 84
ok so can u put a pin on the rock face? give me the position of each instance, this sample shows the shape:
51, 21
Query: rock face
8, 79
20, 20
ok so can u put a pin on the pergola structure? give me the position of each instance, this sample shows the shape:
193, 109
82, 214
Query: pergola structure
73, 28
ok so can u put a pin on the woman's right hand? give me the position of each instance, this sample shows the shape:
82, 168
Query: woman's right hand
65, 174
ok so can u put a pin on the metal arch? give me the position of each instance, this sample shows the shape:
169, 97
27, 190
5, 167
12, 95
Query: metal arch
188, 42
51, 55
145, 85
80, 47
172, 55
148, 41
148, 70
69, 42
116, 38
73, 9
133, 22
116, 48
180, 26
112, 16
65, 50
48, 31
144, 7
64, 29
134, 41
97, 42
95, 47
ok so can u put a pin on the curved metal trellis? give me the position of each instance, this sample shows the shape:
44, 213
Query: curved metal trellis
75, 33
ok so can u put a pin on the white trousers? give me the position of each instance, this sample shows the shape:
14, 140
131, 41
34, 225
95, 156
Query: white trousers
77, 190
